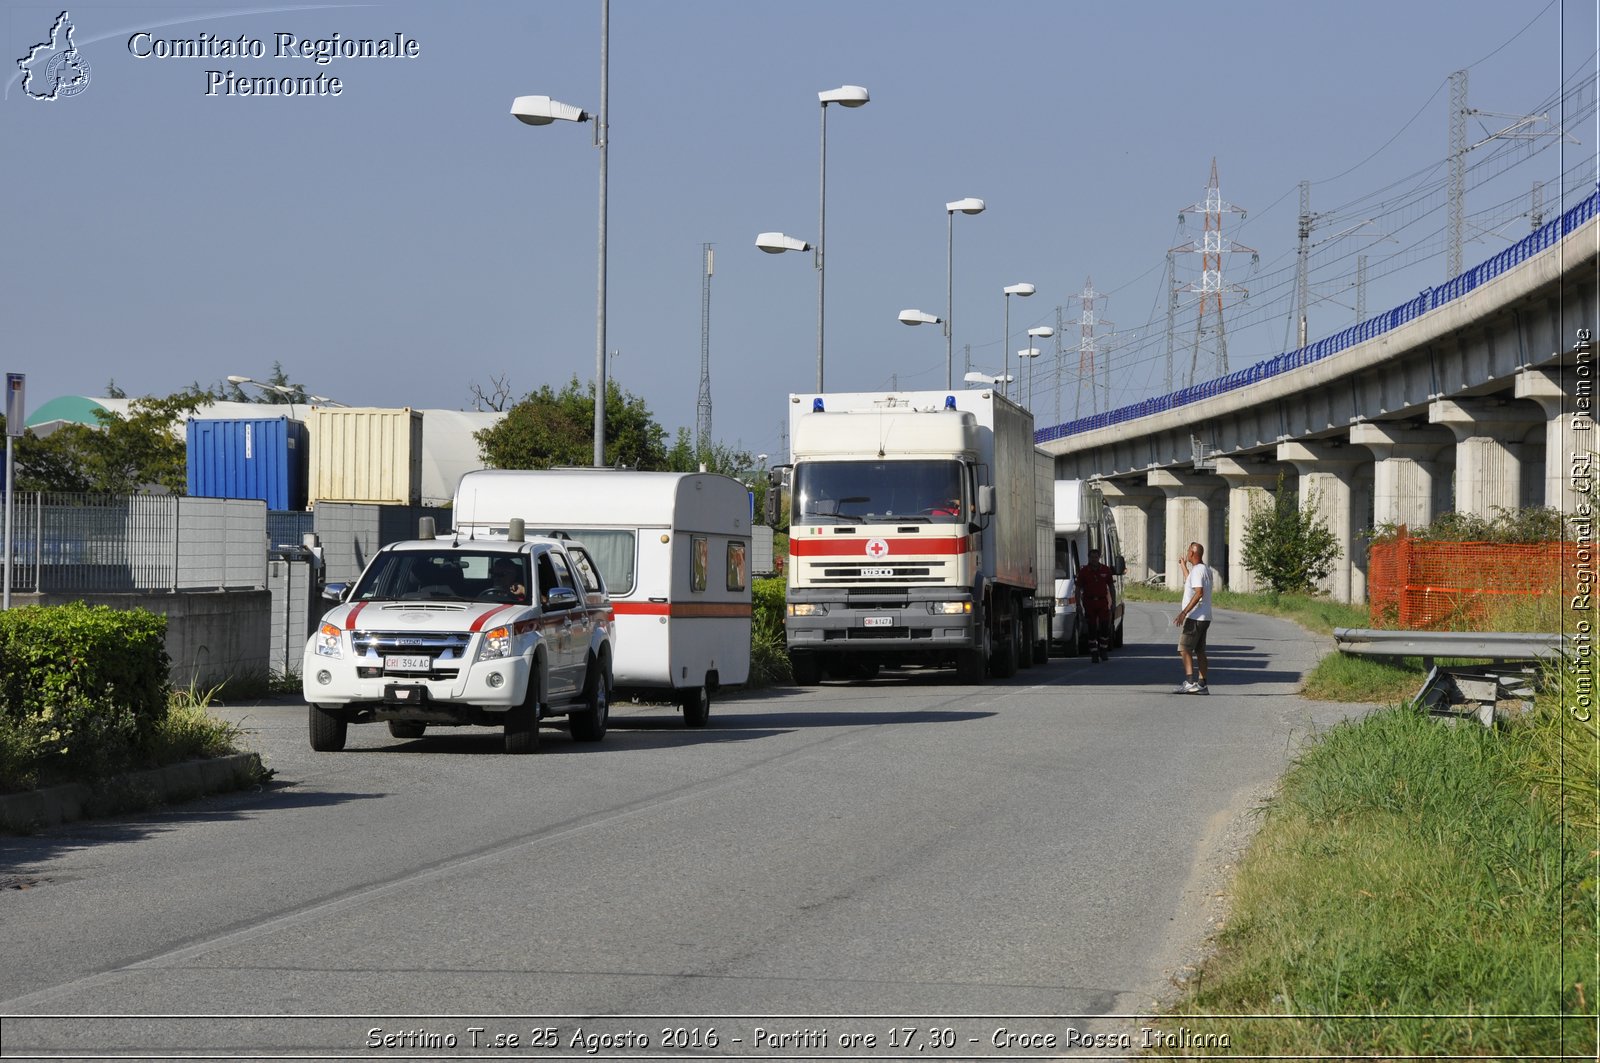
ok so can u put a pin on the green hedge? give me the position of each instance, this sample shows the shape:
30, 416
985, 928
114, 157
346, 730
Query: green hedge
82, 689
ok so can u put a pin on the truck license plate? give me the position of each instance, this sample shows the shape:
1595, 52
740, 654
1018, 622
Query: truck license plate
878, 621
876, 573
408, 664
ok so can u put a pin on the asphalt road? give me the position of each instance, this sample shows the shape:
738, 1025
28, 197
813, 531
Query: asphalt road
1048, 846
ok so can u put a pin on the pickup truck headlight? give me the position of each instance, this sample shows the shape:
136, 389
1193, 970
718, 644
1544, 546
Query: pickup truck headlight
329, 641
496, 644
952, 607
807, 609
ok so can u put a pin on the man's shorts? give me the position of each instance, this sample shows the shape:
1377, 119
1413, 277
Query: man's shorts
1193, 637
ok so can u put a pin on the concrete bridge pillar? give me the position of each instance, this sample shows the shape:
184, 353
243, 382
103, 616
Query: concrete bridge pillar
1250, 484
1489, 436
1569, 435
1327, 475
1190, 501
1131, 503
1403, 477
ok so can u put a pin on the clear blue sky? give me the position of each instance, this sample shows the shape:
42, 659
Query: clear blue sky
407, 239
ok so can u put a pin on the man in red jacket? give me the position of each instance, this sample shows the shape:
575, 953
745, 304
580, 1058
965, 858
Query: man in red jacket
1097, 590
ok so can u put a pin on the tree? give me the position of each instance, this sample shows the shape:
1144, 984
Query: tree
124, 455
1289, 547
546, 429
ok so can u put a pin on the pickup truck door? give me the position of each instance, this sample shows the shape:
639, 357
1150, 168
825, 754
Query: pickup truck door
581, 626
556, 626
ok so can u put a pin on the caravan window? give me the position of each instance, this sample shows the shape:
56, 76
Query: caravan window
612, 550
700, 560
736, 567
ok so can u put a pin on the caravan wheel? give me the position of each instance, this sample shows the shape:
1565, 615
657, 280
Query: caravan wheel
696, 706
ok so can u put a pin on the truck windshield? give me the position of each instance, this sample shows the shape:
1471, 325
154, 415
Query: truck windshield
444, 575
859, 492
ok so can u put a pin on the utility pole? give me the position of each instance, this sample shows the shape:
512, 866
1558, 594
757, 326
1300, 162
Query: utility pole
1088, 299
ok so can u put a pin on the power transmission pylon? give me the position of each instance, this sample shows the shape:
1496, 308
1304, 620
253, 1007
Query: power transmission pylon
1211, 285
703, 408
1087, 347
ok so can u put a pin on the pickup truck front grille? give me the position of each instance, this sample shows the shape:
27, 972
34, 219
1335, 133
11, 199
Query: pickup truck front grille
447, 650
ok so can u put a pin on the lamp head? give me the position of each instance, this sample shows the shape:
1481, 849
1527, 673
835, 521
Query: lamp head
845, 96
1030, 352
240, 380
1043, 332
1018, 289
542, 110
970, 205
918, 317
777, 243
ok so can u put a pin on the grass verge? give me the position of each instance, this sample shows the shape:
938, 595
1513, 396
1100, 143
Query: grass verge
1415, 889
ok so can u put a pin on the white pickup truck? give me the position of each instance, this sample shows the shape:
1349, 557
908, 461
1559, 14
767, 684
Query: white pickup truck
454, 632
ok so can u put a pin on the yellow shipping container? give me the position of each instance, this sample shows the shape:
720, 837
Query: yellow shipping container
365, 454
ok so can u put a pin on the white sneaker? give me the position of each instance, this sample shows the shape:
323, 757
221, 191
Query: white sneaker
1188, 686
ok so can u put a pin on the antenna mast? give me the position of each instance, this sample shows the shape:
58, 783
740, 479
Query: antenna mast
703, 409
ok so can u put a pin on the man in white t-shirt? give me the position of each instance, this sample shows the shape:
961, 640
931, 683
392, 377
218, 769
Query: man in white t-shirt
1194, 618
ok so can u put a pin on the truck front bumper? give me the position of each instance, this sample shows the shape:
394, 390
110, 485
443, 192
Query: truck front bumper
494, 686
917, 619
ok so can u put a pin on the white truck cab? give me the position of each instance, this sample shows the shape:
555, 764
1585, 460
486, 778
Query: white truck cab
451, 632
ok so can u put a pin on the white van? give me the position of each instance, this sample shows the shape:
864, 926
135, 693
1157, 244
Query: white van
1083, 522
674, 549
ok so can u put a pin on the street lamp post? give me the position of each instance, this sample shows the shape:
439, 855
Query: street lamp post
542, 110
287, 392
1042, 332
969, 205
1023, 289
986, 379
844, 96
1028, 353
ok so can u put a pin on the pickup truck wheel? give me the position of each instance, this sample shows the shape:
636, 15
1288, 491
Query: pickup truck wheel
589, 724
328, 731
406, 729
1116, 636
696, 705
522, 722
806, 672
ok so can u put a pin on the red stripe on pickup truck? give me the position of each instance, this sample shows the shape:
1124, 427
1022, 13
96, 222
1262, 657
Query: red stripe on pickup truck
350, 617
477, 625
856, 546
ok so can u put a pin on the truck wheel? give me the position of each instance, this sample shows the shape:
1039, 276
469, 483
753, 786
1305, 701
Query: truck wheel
806, 672
696, 704
1041, 647
1116, 637
328, 731
406, 729
522, 722
589, 725
1003, 664
969, 667
1024, 643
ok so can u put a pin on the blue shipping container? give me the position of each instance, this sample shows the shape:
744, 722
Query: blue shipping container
258, 458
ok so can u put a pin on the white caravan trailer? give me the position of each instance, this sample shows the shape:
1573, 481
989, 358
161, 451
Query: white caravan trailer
674, 549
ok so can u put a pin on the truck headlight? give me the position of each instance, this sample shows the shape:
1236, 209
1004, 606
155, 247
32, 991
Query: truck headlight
952, 607
807, 609
496, 644
329, 641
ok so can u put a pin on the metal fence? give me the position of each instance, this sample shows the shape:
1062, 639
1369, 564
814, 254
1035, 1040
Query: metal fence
139, 543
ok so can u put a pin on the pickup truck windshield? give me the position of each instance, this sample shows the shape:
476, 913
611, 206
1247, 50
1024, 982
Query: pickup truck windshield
863, 492
445, 575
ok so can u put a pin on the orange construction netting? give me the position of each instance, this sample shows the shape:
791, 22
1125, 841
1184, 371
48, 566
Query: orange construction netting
1419, 583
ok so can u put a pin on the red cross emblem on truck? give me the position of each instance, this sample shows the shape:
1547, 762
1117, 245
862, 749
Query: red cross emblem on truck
877, 548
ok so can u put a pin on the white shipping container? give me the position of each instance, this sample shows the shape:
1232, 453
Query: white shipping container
365, 454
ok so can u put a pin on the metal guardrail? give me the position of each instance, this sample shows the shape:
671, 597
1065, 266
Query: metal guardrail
1470, 645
